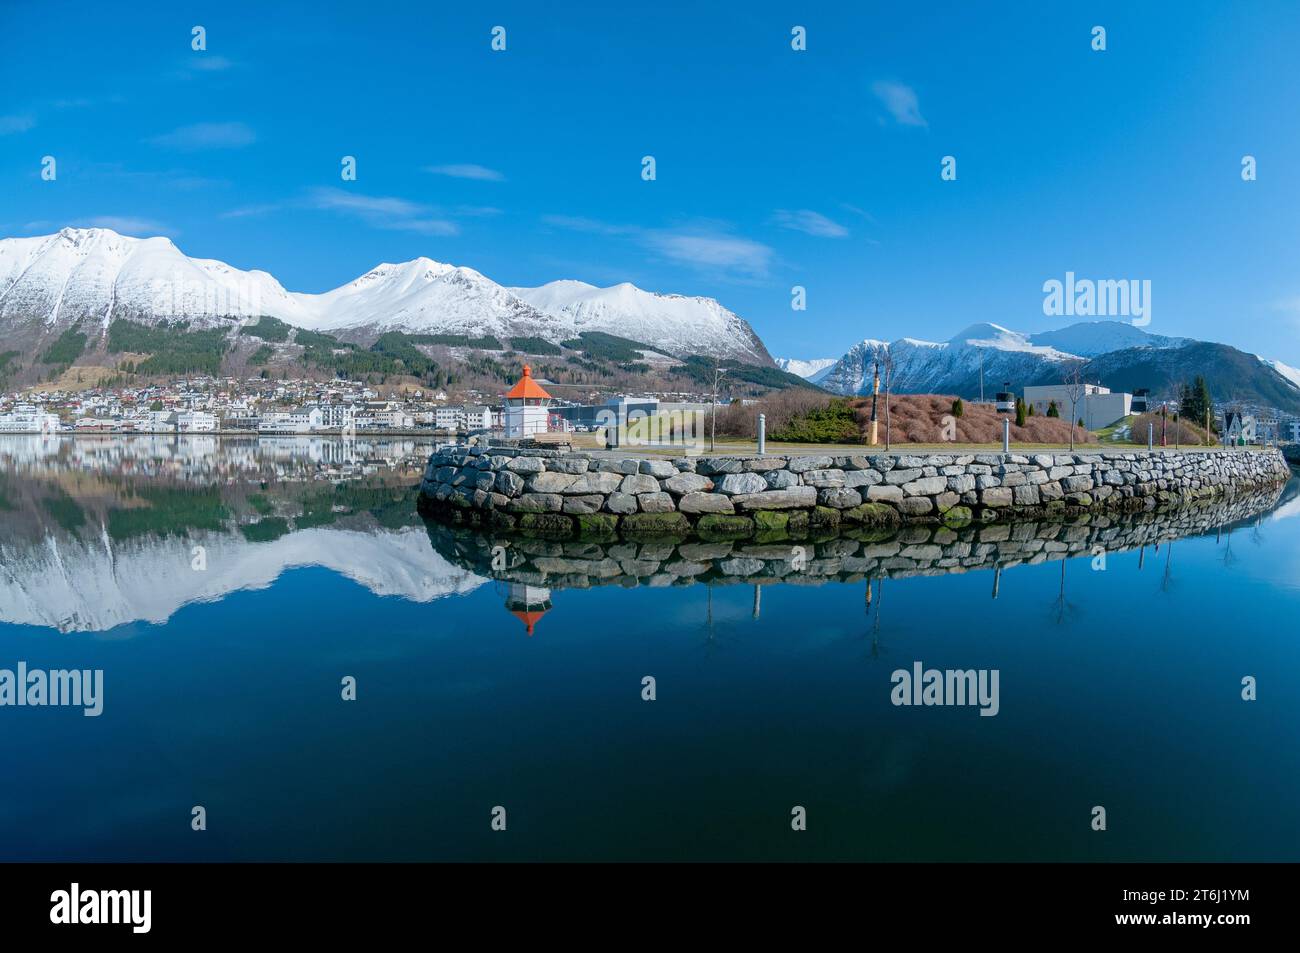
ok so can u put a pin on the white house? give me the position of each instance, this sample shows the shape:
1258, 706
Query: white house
302, 420
1097, 407
446, 418
196, 421
477, 417
336, 416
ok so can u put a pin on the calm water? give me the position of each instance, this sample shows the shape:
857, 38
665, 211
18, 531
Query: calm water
1119, 686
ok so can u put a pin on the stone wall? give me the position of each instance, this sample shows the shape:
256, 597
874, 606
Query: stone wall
856, 554
564, 493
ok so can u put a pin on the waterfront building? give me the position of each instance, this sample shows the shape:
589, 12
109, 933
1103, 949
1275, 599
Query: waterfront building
446, 418
25, 418
196, 421
477, 417
302, 420
336, 416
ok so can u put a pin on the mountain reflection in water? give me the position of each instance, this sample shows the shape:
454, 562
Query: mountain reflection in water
99, 533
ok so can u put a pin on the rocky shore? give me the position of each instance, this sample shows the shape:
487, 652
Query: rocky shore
573, 494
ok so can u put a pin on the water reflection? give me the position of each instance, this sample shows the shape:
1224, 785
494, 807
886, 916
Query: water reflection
535, 569
96, 534
204, 459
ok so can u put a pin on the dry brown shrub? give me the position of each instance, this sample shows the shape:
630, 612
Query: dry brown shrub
914, 418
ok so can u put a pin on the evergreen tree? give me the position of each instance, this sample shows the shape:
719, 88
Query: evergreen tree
958, 409
1053, 410
1196, 402
1020, 412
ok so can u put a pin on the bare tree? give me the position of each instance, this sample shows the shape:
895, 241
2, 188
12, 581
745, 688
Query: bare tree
718, 371
1075, 389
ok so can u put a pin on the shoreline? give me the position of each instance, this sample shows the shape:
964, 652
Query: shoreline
232, 433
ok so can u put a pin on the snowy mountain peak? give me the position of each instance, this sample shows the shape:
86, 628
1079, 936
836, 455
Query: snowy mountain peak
94, 275
660, 320
808, 370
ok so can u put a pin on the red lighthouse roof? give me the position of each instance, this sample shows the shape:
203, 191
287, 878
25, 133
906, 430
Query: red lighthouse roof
527, 387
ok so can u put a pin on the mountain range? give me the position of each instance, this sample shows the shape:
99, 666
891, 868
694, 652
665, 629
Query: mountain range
85, 279
92, 291
984, 357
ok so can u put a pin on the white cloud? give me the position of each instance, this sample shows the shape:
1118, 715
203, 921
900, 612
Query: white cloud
137, 227
466, 170
210, 64
901, 102
810, 223
384, 212
576, 223
12, 124
206, 135
712, 252
705, 247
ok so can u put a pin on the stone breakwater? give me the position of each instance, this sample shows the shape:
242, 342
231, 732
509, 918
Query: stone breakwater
859, 553
564, 493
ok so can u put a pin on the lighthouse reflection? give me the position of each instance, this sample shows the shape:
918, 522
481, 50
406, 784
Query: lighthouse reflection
528, 603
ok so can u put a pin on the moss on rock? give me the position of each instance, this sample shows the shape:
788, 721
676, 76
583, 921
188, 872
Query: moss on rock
872, 514
597, 524
823, 518
958, 516
655, 524
772, 520
546, 524
721, 526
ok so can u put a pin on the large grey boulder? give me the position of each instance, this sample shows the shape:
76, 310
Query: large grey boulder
706, 503
794, 497
734, 483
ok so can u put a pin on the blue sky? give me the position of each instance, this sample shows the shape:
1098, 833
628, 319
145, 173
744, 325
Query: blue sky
775, 168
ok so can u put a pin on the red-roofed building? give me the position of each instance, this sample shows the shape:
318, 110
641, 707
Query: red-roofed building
526, 407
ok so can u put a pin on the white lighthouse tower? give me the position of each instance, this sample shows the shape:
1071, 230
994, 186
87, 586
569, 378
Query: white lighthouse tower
527, 406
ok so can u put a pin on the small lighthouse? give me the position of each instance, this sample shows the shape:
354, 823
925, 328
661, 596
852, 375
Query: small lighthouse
526, 407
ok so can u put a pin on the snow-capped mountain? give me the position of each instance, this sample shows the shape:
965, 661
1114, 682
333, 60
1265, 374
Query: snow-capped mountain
1090, 338
660, 320
427, 297
89, 277
808, 370
984, 357
987, 351
94, 275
